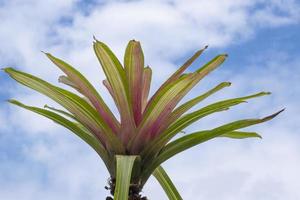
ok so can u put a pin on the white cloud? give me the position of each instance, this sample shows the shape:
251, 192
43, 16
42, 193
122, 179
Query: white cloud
168, 30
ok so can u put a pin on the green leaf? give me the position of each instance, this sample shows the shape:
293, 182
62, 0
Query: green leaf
123, 176
156, 145
166, 183
69, 115
73, 127
65, 80
240, 135
147, 76
153, 114
175, 77
163, 112
188, 105
212, 64
83, 111
76, 80
117, 79
179, 72
196, 138
134, 69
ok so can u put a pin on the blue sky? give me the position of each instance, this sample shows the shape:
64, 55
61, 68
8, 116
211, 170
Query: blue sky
38, 159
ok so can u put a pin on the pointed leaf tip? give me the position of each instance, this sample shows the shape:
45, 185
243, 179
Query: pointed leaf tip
273, 115
263, 93
10, 100
241, 135
227, 84
94, 37
5, 69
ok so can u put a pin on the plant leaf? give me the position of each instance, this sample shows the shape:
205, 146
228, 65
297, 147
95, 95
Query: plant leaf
69, 115
134, 69
165, 111
123, 176
240, 135
179, 72
78, 81
166, 183
196, 138
154, 112
157, 144
84, 112
188, 105
117, 79
147, 76
109, 89
173, 78
73, 127
65, 80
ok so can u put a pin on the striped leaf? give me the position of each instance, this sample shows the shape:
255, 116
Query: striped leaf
84, 112
134, 69
157, 144
240, 135
153, 115
147, 76
123, 176
165, 115
188, 105
65, 80
196, 138
62, 112
117, 79
73, 127
166, 183
178, 72
75, 79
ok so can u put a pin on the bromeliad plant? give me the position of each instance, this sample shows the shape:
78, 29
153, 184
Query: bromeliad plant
135, 146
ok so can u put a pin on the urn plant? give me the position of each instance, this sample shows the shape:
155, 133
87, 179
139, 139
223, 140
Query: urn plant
134, 146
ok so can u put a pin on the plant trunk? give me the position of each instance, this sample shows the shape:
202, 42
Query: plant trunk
134, 191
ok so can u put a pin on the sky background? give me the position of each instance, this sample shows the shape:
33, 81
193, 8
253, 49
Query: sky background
40, 160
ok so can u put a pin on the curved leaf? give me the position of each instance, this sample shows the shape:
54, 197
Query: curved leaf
196, 138
159, 106
166, 183
240, 135
188, 105
78, 81
163, 112
65, 80
84, 112
61, 112
157, 144
73, 127
176, 75
117, 79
